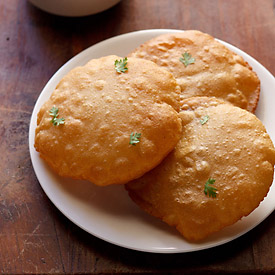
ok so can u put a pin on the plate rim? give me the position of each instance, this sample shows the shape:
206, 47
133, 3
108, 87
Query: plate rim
60, 73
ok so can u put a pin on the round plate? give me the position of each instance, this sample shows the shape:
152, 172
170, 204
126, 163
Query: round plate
107, 212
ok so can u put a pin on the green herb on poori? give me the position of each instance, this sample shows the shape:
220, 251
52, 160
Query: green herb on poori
134, 138
210, 190
187, 59
204, 119
54, 113
120, 65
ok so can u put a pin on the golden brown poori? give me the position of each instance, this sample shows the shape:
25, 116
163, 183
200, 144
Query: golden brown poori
204, 67
109, 122
220, 170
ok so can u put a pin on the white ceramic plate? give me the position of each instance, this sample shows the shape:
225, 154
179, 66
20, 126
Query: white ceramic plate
107, 212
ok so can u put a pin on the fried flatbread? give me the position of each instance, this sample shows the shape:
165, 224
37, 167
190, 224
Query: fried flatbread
222, 147
210, 68
104, 112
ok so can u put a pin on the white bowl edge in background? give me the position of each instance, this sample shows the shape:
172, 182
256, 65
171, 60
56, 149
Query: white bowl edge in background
74, 8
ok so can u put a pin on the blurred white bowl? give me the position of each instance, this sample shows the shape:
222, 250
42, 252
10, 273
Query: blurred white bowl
74, 7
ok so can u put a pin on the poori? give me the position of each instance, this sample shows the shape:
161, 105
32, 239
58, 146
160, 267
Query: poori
204, 67
220, 170
110, 121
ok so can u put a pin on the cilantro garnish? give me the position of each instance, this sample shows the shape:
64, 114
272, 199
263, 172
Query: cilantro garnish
56, 121
187, 59
120, 65
210, 190
134, 138
204, 119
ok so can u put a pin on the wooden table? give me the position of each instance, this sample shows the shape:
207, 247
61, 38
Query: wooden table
34, 236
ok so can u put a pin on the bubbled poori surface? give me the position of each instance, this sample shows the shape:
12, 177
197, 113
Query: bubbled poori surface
101, 108
231, 147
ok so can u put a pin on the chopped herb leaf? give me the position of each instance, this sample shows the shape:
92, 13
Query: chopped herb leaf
54, 112
187, 59
120, 65
56, 121
210, 190
134, 138
204, 119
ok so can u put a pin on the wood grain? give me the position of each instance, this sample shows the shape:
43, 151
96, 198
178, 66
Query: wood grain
34, 236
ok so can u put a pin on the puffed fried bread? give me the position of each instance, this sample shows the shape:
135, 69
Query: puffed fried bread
102, 109
215, 71
223, 147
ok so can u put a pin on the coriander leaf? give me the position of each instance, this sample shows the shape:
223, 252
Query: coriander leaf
210, 190
204, 119
187, 59
134, 138
56, 121
120, 65
54, 112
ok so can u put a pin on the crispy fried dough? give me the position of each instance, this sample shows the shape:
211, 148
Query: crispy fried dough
102, 108
217, 71
232, 148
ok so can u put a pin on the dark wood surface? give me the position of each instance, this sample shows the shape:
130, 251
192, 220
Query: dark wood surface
34, 236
